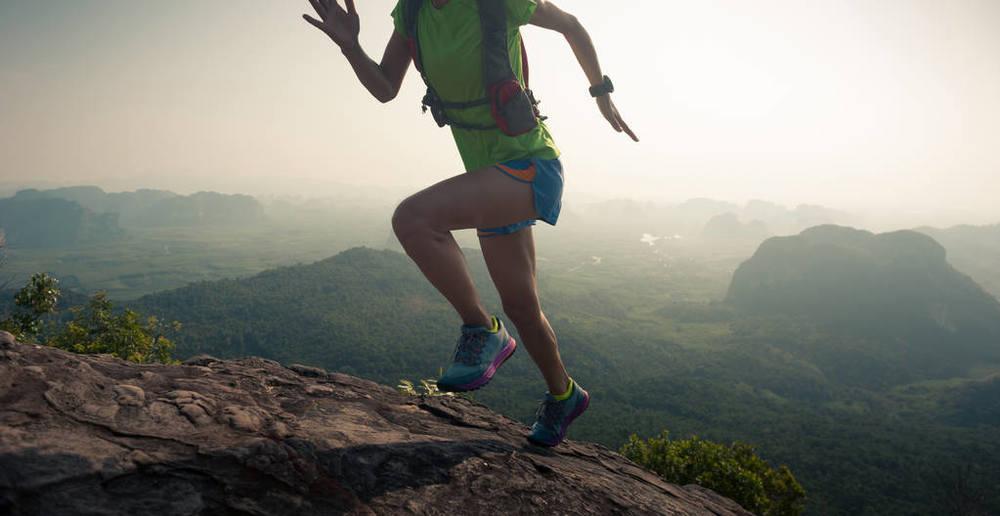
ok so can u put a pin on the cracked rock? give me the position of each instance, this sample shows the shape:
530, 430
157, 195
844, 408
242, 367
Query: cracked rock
97, 435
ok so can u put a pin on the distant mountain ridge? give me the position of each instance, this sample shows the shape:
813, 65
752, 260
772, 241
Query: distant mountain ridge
53, 222
728, 226
699, 216
154, 208
974, 250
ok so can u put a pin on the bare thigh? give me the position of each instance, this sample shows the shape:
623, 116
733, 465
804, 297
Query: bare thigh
485, 198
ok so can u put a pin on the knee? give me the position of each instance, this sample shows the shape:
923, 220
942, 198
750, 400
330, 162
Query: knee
406, 220
524, 310
413, 221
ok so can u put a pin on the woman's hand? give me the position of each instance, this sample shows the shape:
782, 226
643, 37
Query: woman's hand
610, 112
342, 26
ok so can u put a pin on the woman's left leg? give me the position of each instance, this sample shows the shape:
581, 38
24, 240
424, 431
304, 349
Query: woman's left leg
511, 262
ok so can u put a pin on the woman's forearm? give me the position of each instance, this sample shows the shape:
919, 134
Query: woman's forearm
551, 17
370, 73
343, 27
583, 47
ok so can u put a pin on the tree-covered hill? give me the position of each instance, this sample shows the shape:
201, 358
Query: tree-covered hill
895, 291
844, 275
361, 311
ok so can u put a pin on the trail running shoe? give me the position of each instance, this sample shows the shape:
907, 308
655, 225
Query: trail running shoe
554, 416
479, 353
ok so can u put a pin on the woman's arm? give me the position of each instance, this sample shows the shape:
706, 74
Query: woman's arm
343, 26
548, 16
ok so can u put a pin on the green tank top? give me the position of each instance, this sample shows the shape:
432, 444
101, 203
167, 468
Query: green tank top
451, 50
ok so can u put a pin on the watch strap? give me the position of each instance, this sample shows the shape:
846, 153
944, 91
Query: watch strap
603, 88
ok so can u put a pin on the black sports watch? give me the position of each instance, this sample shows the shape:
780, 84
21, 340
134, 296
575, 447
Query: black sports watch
603, 88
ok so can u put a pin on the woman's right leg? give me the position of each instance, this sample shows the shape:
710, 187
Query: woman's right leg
424, 221
439, 257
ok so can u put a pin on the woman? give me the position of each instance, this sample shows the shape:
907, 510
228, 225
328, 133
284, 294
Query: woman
510, 181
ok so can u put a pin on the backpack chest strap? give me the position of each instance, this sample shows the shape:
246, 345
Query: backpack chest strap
496, 63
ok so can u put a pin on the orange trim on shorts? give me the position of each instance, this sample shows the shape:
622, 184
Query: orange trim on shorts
527, 174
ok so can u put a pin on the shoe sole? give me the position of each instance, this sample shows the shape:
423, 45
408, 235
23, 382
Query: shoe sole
505, 354
573, 415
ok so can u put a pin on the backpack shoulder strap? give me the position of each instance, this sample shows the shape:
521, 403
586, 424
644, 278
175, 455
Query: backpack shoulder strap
410, 12
496, 53
524, 64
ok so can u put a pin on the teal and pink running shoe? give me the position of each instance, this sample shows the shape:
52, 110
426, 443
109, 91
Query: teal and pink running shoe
556, 414
479, 353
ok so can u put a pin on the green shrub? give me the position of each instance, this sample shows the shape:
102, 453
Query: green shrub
428, 386
37, 299
96, 329
734, 471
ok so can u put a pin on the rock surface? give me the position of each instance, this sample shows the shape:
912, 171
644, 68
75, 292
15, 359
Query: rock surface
100, 436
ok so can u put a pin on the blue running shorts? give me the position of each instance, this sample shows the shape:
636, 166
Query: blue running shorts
546, 179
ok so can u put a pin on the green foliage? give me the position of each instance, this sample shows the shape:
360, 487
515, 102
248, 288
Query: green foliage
735, 471
37, 299
428, 387
96, 329
962, 490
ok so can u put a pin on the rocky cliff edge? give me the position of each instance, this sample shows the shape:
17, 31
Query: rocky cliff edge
100, 436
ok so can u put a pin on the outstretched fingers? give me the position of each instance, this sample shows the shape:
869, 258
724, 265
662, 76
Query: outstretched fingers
614, 124
319, 8
625, 127
314, 22
610, 116
334, 4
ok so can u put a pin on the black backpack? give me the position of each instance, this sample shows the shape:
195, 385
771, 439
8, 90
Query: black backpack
512, 105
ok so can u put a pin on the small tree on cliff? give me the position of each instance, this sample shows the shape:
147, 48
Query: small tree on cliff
33, 302
95, 328
735, 471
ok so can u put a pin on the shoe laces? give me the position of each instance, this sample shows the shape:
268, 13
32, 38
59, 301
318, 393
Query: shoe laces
550, 413
470, 348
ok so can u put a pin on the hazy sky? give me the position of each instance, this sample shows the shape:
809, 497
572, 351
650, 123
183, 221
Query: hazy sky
847, 103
